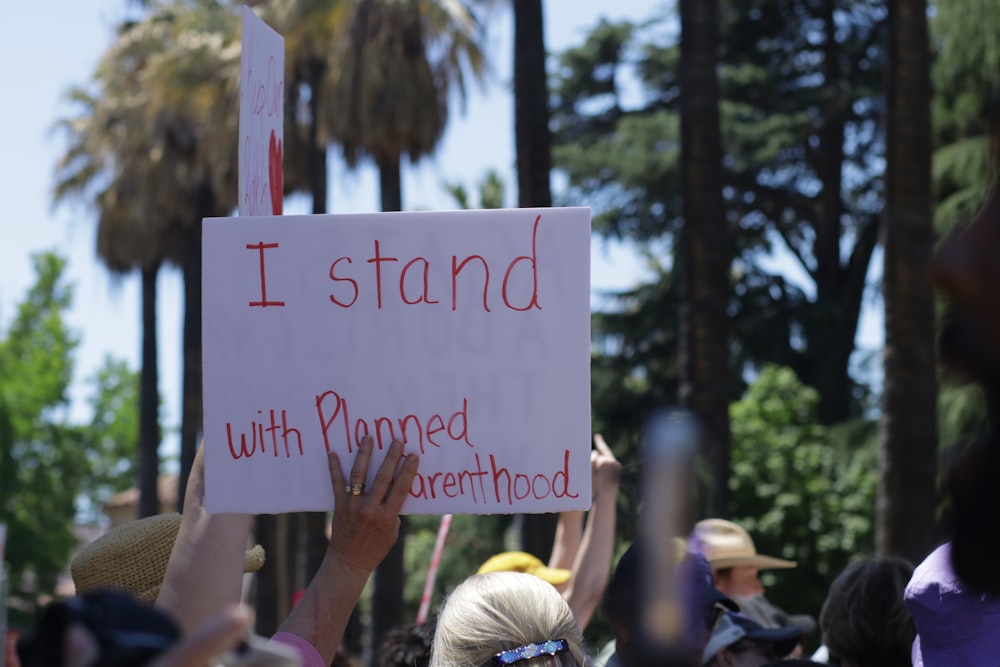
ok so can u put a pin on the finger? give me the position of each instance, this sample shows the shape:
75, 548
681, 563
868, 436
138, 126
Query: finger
401, 485
383, 478
336, 478
359, 471
602, 446
219, 634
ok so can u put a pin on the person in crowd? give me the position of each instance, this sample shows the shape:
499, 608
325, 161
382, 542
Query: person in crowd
580, 562
110, 627
204, 577
702, 605
956, 625
865, 622
736, 566
738, 641
507, 618
408, 646
966, 272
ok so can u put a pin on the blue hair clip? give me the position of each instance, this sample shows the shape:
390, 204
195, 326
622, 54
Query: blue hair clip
529, 651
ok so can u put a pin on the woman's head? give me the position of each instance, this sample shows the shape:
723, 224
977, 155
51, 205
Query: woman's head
502, 611
864, 619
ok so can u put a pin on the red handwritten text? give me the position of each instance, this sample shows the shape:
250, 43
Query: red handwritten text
260, 248
417, 270
332, 408
495, 484
258, 430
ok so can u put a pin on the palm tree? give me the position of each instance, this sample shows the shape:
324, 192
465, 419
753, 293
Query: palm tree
908, 434
107, 164
160, 132
396, 66
191, 114
704, 250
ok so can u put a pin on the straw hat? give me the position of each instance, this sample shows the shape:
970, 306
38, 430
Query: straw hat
519, 561
726, 544
133, 557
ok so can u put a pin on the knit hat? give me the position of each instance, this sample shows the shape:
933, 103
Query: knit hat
519, 561
133, 558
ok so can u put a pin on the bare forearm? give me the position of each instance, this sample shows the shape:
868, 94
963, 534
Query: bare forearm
592, 567
569, 532
205, 572
321, 616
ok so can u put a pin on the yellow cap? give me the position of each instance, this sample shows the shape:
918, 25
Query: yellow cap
520, 561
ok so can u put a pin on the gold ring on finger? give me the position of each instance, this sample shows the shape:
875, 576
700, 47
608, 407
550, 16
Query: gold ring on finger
357, 489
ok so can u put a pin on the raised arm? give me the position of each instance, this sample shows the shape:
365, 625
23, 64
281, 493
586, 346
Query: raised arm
592, 566
205, 572
569, 534
365, 526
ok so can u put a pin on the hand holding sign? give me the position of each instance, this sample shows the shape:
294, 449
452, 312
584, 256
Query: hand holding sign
366, 523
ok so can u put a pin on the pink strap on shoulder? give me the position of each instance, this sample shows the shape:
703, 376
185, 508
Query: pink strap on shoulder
310, 656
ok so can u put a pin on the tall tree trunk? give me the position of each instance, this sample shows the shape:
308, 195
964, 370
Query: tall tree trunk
908, 439
317, 152
833, 321
387, 595
272, 596
390, 184
191, 399
533, 144
531, 106
312, 525
706, 385
387, 583
149, 399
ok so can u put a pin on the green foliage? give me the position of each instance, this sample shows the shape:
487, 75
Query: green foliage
491, 192
47, 463
805, 492
471, 540
966, 75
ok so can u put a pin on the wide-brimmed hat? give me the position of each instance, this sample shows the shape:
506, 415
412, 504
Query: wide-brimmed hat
133, 558
734, 627
725, 545
520, 561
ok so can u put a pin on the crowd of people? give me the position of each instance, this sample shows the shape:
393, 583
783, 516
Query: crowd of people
165, 591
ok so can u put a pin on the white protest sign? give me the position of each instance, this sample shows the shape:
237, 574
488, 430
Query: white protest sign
466, 333
262, 113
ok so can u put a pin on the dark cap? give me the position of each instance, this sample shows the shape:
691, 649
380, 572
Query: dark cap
733, 628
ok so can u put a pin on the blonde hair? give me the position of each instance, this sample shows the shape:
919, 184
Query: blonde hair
499, 611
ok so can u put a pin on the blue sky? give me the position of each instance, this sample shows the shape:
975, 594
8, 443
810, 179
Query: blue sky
46, 47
